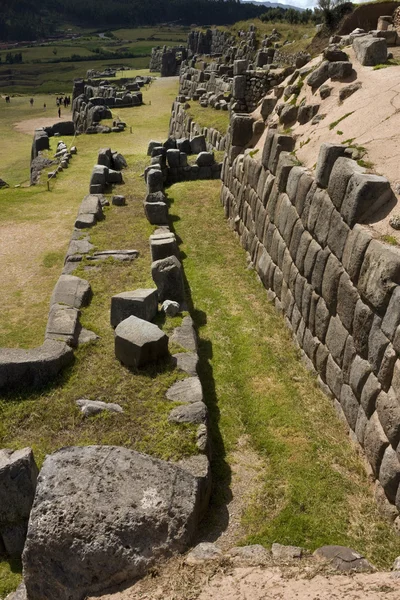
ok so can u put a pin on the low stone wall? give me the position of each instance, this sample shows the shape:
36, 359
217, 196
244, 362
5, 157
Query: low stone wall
335, 284
181, 125
196, 82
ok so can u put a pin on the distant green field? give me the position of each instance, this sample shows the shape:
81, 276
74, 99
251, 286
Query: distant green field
41, 73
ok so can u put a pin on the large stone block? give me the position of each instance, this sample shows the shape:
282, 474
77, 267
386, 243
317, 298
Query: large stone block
168, 277
163, 245
379, 275
138, 342
365, 194
389, 473
370, 51
106, 514
330, 282
156, 212
72, 291
279, 144
346, 301
354, 250
375, 443
239, 87
327, 157
377, 344
349, 405
198, 144
141, 303
155, 182
362, 324
341, 172
18, 475
241, 129
369, 394
388, 410
336, 337
63, 324
391, 320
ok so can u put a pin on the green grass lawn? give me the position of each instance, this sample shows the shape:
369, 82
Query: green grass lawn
209, 117
315, 490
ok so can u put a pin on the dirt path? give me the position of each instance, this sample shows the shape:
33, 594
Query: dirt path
28, 126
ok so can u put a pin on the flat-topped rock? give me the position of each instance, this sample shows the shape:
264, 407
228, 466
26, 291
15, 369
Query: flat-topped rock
115, 254
118, 200
186, 391
186, 362
91, 205
138, 342
63, 324
163, 246
123, 510
185, 335
85, 221
33, 368
189, 413
344, 559
77, 248
72, 291
141, 303
18, 475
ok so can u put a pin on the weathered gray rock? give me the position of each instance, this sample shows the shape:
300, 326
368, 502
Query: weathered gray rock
344, 559
242, 129
288, 115
170, 308
328, 154
90, 408
98, 178
33, 368
203, 552
186, 391
349, 90
156, 197
104, 157
370, 51
122, 510
71, 291
156, 212
19, 594
284, 553
187, 362
205, 159
152, 144
18, 475
189, 413
118, 161
86, 336
365, 194
91, 205
162, 246
114, 176
325, 91
267, 106
333, 53
155, 182
168, 277
141, 303
63, 324
185, 335
307, 113
118, 200
138, 342
319, 75
198, 144
380, 274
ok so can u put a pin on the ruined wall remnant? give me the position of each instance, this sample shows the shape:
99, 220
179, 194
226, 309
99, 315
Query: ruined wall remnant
183, 126
337, 286
167, 61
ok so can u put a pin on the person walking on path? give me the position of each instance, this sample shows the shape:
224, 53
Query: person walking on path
31, 101
59, 112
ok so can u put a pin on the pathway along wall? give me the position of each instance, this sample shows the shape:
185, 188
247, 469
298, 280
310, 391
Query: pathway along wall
337, 286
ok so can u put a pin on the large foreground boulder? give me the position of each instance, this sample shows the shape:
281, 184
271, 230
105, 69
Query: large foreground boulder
370, 51
102, 515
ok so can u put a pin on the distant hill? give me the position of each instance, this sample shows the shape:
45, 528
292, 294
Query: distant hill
273, 4
30, 19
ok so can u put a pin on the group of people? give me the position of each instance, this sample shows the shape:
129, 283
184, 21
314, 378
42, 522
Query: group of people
66, 101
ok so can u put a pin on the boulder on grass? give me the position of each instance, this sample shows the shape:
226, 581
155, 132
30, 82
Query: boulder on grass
138, 342
141, 303
102, 515
156, 212
168, 277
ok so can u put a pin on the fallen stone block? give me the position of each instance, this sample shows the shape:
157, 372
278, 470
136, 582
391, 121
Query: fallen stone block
141, 303
18, 475
349, 90
168, 277
72, 291
118, 200
205, 159
198, 144
138, 342
114, 176
370, 51
123, 510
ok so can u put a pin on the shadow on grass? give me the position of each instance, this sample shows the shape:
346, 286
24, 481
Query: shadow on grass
216, 519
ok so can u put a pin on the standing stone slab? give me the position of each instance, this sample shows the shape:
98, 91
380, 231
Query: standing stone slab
168, 277
156, 212
328, 154
18, 475
138, 342
63, 324
102, 515
141, 303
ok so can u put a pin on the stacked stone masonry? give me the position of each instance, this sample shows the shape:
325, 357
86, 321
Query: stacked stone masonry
337, 286
183, 126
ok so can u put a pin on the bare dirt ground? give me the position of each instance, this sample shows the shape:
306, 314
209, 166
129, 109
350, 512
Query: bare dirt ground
221, 581
28, 126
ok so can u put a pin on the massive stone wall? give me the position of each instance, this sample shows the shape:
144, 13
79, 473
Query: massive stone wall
167, 61
335, 283
183, 126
